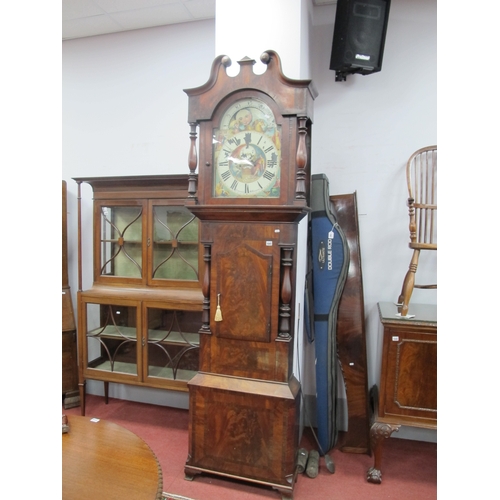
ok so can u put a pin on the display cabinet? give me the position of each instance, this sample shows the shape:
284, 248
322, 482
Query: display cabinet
408, 379
138, 323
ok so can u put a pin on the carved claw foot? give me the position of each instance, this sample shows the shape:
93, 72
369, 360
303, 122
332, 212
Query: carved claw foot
374, 475
378, 433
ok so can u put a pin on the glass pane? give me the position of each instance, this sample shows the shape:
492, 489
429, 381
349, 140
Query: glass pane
175, 243
112, 338
247, 151
173, 344
121, 241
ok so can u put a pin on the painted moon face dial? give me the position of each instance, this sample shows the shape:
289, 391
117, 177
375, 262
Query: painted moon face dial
247, 152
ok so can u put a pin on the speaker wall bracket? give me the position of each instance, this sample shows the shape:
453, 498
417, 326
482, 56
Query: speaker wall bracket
341, 76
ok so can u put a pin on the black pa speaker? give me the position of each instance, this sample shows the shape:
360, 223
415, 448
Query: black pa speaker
359, 37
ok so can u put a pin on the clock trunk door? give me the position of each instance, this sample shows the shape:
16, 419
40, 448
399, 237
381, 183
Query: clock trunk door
245, 285
244, 300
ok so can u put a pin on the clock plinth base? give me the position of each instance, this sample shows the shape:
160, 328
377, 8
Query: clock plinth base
244, 429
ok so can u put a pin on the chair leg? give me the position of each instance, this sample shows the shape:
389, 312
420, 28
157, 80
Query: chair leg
408, 285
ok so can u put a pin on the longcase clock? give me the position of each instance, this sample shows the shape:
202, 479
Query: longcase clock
249, 187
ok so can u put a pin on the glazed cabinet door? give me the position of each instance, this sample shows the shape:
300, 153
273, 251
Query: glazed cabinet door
143, 243
119, 241
173, 245
171, 345
109, 348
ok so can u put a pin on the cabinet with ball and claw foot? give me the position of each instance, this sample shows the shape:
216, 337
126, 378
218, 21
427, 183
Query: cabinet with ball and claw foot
408, 379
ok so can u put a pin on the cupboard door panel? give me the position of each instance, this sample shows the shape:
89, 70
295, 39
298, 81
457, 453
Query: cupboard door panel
244, 292
245, 301
411, 374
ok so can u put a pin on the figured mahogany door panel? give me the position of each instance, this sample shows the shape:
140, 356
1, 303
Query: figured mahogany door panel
242, 343
244, 293
411, 379
243, 428
244, 301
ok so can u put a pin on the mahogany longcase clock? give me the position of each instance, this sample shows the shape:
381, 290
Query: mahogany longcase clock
250, 192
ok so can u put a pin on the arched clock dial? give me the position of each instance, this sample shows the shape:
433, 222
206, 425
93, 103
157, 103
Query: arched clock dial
247, 152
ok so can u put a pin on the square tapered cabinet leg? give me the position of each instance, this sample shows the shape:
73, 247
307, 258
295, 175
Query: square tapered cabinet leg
244, 429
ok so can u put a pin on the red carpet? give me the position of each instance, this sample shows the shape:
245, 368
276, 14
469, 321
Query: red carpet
409, 468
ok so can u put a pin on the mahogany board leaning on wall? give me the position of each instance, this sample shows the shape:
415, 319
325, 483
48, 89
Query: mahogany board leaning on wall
351, 335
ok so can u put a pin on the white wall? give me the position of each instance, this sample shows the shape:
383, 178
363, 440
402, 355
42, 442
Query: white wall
286, 35
124, 113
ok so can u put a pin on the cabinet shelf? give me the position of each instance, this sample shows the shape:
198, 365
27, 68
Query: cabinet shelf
129, 333
118, 366
171, 242
182, 375
162, 372
174, 338
111, 332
